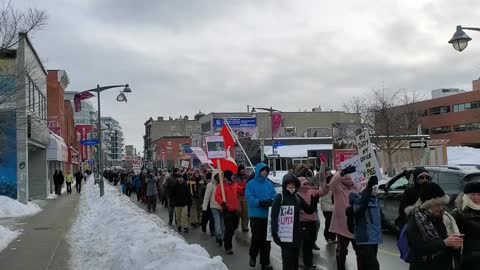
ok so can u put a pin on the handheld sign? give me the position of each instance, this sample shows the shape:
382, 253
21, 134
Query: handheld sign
367, 156
215, 147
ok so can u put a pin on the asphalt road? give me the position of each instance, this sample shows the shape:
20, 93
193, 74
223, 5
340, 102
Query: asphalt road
324, 259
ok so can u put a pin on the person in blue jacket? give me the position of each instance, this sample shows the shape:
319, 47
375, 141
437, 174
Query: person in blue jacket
368, 225
260, 194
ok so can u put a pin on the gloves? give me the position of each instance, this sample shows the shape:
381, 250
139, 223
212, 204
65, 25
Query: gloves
372, 181
224, 206
276, 239
265, 203
348, 170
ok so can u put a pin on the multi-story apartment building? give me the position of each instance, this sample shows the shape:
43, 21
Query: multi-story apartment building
113, 141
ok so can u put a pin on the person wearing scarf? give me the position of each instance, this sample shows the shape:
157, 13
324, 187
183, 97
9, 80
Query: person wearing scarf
432, 233
467, 215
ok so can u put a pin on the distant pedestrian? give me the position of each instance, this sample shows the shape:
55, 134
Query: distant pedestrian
152, 194
78, 181
342, 185
69, 180
55, 181
229, 208
181, 199
289, 205
170, 184
137, 185
209, 202
129, 183
467, 215
60, 181
259, 193
242, 201
433, 235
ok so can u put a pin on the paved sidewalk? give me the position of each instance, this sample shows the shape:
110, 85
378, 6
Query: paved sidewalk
43, 245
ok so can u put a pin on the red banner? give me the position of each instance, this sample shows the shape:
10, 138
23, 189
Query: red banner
340, 155
83, 131
276, 122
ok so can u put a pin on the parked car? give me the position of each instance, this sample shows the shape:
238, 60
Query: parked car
450, 178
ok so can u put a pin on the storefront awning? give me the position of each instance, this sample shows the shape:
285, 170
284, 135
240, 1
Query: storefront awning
57, 149
296, 151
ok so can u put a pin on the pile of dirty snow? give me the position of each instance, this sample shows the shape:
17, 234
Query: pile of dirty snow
6, 236
463, 155
113, 233
13, 208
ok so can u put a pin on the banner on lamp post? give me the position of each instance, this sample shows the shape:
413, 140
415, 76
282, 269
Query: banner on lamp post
276, 122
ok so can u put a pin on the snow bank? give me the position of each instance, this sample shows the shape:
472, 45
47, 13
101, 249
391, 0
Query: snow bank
6, 236
113, 233
13, 208
463, 155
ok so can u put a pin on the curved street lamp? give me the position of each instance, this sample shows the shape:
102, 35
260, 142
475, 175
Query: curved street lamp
460, 39
120, 98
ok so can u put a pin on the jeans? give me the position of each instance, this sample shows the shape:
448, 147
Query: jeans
231, 220
326, 233
309, 231
290, 258
367, 257
259, 243
218, 220
78, 186
342, 250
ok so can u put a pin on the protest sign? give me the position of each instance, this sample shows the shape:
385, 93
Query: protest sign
185, 164
359, 175
367, 156
215, 147
201, 155
285, 223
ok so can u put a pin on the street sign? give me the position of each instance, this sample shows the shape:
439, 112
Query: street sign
276, 144
274, 156
418, 144
91, 161
89, 142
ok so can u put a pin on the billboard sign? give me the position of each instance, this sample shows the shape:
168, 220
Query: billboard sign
244, 127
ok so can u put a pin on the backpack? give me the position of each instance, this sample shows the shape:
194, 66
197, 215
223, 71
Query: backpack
350, 212
406, 253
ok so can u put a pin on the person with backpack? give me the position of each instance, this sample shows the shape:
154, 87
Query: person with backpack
367, 225
308, 222
287, 231
467, 216
434, 240
341, 186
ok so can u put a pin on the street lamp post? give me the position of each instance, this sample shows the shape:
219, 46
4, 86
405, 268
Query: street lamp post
271, 110
460, 39
121, 97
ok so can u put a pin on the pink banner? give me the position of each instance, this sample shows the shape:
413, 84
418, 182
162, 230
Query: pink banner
83, 130
276, 122
201, 155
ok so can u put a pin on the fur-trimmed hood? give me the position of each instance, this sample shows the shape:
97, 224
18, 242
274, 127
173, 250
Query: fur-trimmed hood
427, 204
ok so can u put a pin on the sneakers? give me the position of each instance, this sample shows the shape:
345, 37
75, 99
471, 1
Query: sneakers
252, 262
229, 252
267, 267
315, 247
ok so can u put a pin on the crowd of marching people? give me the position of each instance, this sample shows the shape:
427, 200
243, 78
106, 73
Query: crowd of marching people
429, 237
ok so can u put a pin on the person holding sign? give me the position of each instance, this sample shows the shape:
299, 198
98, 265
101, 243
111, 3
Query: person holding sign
286, 226
260, 194
342, 185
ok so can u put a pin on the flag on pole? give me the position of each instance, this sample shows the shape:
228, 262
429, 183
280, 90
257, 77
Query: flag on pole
77, 99
229, 142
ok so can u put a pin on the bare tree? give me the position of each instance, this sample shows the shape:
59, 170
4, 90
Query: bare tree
391, 116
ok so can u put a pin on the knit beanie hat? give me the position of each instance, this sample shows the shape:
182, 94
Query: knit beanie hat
432, 194
240, 168
228, 174
417, 172
472, 187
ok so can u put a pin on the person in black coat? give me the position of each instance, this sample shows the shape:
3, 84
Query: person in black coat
410, 196
285, 206
467, 215
181, 199
55, 181
433, 235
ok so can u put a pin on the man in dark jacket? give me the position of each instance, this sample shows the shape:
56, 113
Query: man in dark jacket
170, 183
411, 194
181, 198
78, 181
286, 214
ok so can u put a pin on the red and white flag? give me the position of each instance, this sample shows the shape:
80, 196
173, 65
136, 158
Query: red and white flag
77, 99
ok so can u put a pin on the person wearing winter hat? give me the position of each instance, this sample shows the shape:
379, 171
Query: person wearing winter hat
467, 215
229, 208
169, 184
259, 194
308, 221
242, 179
410, 196
286, 206
341, 186
433, 235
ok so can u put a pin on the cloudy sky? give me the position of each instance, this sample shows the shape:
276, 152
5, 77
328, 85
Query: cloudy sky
182, 56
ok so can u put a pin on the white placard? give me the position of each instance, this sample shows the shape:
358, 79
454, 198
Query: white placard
286, 220
215, 147
185, 164
367, 156
359, 175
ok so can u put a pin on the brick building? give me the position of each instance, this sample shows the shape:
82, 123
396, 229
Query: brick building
71, 138
453, 117
169, 151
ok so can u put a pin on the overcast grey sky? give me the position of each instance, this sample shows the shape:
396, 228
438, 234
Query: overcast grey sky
218, 55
